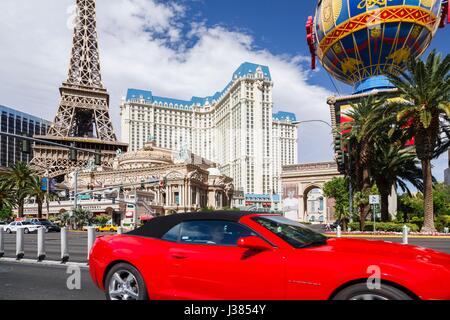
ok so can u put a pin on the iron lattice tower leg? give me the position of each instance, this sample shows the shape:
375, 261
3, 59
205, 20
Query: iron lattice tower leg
83, 113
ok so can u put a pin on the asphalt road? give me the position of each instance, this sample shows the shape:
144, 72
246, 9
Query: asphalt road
20, 281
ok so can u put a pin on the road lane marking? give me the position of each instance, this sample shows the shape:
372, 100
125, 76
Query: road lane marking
45, 263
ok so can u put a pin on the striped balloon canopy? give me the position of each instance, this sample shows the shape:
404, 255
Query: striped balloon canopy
359, 41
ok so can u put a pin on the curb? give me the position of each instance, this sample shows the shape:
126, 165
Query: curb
45, 263
387, 236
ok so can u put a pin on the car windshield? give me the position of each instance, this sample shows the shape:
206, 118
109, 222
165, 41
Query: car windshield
296, 234
26, 222
47, 223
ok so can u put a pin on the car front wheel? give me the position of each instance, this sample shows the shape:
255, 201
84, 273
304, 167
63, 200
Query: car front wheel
360, 291
8, 230
124, 282
26, 231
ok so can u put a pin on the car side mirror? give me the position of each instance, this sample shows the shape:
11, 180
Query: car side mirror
253, 242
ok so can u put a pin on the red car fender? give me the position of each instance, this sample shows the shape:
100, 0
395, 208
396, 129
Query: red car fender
147, 255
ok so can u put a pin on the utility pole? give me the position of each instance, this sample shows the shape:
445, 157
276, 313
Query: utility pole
350, 186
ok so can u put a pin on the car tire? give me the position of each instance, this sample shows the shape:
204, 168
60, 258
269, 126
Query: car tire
26, 231
137, 284
111, 230
360, 291
8, 231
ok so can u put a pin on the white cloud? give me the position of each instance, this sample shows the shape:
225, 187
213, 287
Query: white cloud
143, 44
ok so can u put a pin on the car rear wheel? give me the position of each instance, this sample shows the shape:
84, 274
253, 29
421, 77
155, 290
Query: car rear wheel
124, 282
26, 231
8, 230
360, 291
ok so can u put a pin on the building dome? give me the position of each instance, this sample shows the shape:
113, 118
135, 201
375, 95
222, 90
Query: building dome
357, 41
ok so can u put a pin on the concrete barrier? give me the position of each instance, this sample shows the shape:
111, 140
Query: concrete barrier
405, 235
91, 240
64, 251
20, 252
41, 244
2, 242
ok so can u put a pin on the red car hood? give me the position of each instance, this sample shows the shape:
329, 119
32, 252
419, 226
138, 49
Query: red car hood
389, 250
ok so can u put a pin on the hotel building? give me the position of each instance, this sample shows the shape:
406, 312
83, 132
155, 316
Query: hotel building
20, 123
235, 128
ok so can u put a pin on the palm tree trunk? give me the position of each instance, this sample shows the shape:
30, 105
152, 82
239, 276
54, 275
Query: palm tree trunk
364, 209
39, 203
20, 208
428, 215
384, 204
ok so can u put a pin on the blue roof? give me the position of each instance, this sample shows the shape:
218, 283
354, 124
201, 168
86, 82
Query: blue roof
284, 116
245, 69
250, 68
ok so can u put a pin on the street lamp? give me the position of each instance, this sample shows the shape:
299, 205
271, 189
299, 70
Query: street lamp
308, 121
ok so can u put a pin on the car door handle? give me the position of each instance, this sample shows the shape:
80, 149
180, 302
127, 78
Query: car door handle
179, 256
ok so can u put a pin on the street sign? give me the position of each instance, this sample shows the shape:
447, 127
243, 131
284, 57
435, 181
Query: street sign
374, 199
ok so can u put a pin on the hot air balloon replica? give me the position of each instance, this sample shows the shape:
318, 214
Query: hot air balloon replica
359, 41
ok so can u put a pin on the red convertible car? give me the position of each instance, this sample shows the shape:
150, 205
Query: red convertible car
248, 256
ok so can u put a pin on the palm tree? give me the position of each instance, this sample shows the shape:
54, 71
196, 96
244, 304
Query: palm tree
394, 166
34, 190
18, 179
425, 89
369, 120
7, 199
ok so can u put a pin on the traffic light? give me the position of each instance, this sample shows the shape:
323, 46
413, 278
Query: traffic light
99, 197
26, 147
98, 159
73, 154
337, 143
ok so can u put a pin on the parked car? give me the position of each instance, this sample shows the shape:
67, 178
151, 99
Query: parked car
27, 226
85, 228
107, 228
48, 225
256, 256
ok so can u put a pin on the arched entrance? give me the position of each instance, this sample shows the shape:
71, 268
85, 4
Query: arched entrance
315, 210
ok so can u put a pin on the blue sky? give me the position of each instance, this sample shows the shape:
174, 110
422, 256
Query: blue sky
278, 26
177, 49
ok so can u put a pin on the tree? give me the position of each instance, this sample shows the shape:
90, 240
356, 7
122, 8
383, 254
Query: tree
394, 166
7, 199
337, 189
369, 119
34, 190
6, 214
18, 178
425, 90
81, 217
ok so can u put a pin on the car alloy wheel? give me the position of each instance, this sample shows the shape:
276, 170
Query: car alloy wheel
360, 291
26, 231
8, 230
123, 286
368, 297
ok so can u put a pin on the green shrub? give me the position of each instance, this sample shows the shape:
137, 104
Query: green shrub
101, 219
385, 226
442, 222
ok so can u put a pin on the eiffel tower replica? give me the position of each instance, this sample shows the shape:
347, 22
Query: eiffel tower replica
83, 118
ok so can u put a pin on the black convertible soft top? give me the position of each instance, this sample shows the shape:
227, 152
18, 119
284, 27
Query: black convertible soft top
158, 227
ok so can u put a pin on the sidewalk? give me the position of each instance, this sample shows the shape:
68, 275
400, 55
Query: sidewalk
388, 235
